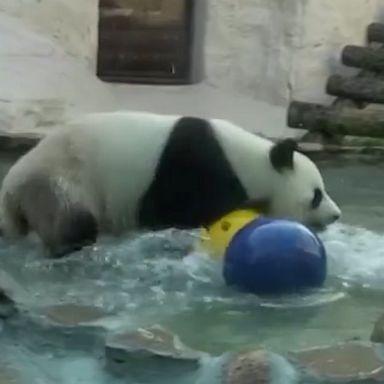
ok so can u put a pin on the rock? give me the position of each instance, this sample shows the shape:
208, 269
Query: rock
258, 367
73, 314
8, 376
248, 368
377, 335
151, 351
153, 341
349, 362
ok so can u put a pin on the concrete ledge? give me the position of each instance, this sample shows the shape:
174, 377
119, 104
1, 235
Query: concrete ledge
318, 152
21, 142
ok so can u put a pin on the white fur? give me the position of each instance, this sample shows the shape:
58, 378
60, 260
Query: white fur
107, 160
126, 147
291, 191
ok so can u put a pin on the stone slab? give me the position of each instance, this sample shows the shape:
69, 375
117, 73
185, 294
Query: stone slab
345, 363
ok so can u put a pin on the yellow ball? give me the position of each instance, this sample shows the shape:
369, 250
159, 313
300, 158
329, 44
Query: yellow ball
217, 236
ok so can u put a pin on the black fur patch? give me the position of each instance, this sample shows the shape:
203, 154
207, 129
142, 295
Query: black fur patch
317, 198
194, 183
281, 154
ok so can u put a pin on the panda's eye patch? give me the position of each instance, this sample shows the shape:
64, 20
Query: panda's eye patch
317, 198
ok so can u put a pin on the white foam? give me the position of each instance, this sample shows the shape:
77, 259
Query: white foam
356, 255
157, 274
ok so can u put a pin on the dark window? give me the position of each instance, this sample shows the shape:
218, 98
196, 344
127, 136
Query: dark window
145, 41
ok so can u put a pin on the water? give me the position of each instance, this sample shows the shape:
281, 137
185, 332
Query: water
162, 279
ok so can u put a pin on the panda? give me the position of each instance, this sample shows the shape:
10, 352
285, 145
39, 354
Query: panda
112, 172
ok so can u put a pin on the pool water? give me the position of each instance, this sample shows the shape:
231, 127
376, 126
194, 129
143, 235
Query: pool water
159, 278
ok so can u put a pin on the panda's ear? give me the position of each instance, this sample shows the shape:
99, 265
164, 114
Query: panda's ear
281, 154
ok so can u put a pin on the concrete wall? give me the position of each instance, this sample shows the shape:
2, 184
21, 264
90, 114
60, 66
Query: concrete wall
42, 84
326, 26
73, 23
271, 50
277, 49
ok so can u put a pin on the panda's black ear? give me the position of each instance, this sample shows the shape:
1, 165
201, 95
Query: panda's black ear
281, 154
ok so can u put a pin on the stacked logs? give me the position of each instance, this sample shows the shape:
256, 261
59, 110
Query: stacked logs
349, 113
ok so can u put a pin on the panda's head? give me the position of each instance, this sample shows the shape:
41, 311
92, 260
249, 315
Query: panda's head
298, 189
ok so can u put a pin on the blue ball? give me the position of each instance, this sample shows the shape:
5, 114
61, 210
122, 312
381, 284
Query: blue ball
275, 256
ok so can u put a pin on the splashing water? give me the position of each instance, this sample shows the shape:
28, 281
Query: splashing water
356, 256
164, 270
160, 273
162, 278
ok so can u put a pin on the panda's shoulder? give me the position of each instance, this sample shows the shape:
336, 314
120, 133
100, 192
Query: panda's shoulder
231, 133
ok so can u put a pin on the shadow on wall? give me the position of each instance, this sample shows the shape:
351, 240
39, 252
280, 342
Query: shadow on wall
200, 16
380, 12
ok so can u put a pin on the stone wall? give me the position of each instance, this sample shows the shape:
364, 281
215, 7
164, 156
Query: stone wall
42, 84
277, 49
73, 23
271, 50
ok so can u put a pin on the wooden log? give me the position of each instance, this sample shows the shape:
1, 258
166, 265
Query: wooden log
370, 59
375, 33
344, 121
356, 88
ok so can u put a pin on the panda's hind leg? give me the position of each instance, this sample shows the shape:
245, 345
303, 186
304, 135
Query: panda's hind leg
13, 222
55, 212
76, 228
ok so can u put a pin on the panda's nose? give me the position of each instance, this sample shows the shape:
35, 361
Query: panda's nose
336, 217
